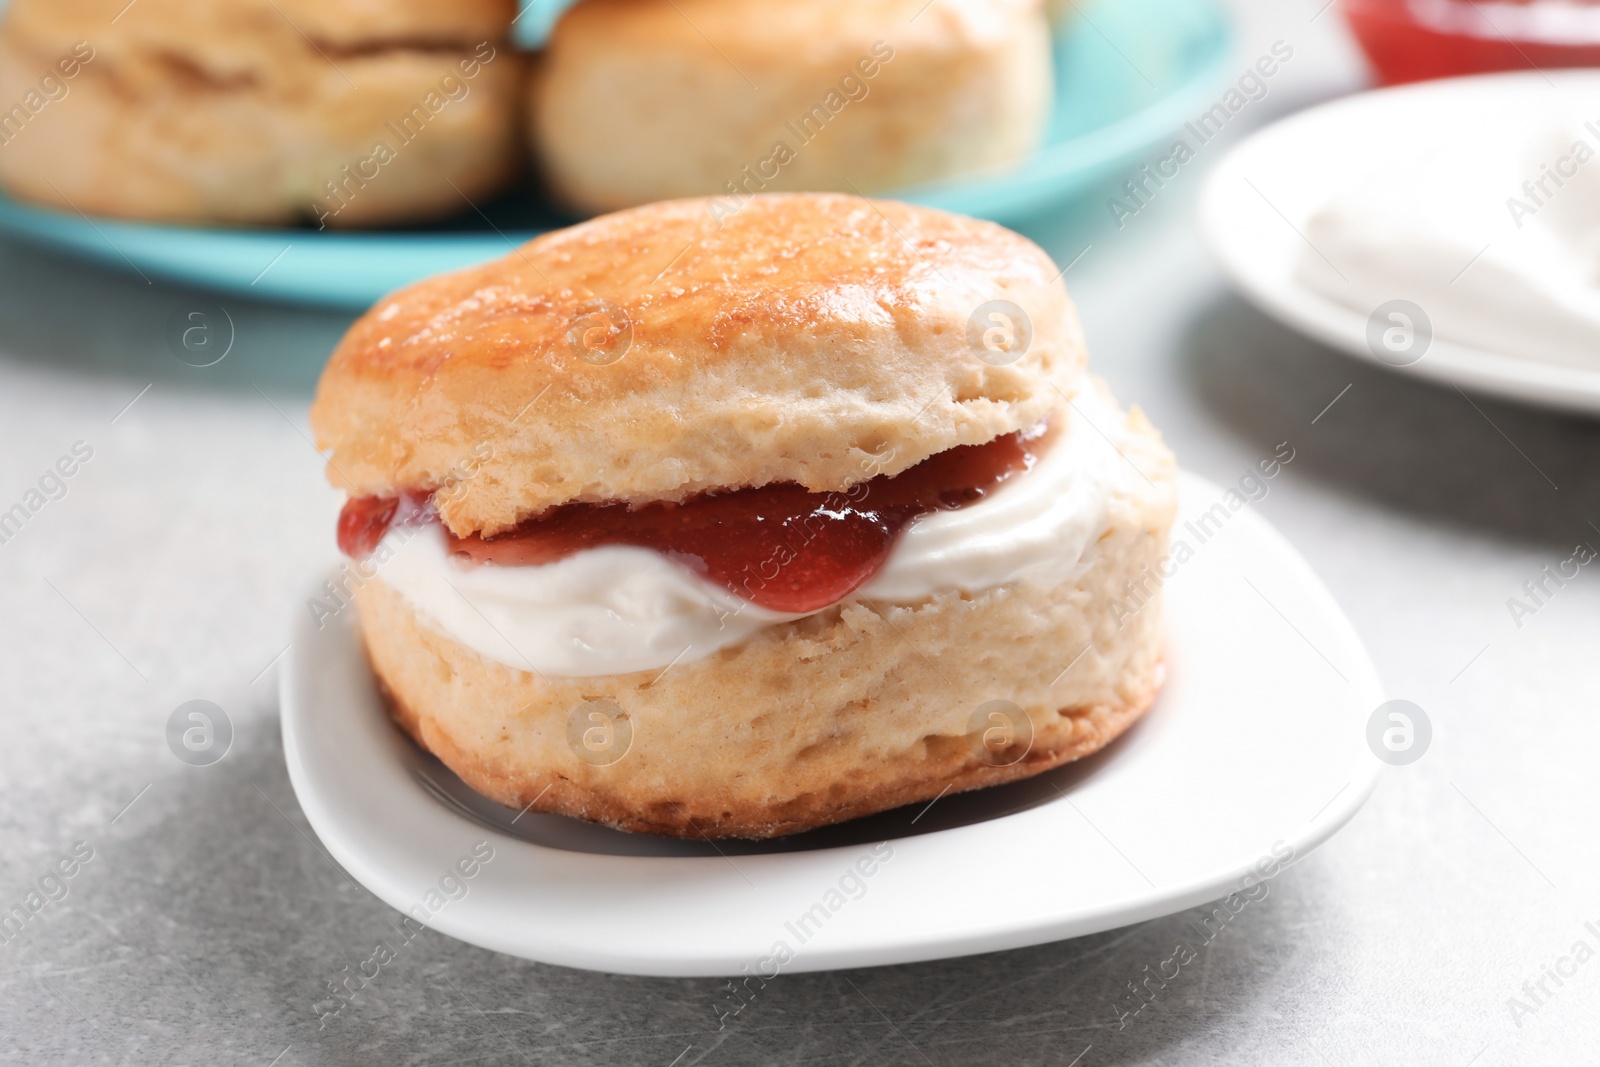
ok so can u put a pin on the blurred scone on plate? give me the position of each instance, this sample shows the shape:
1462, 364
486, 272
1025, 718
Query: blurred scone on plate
335, 112
643, 100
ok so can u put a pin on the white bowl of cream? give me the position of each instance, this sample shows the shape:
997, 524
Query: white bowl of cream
1450, 229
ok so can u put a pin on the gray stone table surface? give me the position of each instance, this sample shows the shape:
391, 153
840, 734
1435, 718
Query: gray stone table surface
207, 920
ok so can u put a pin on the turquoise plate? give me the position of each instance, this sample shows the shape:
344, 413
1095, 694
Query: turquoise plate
1128, 73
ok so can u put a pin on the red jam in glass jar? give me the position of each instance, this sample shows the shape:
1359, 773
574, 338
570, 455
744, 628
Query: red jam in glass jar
1415, 40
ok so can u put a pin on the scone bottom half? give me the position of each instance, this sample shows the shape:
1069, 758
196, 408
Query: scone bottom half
725, 423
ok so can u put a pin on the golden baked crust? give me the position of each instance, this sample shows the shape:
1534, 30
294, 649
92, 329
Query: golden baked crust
802, 340
243, 112
857, 709
642, 100
241, 33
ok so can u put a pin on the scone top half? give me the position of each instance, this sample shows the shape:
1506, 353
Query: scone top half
240, 44
674, 349
221, 32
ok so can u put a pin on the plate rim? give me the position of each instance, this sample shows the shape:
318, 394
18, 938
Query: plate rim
1209, 885
1552, 385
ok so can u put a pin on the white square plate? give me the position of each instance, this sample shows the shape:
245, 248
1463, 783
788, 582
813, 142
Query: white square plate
1255, 751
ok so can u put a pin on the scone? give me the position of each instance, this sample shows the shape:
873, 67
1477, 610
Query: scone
334, 112
642, 100
742, 529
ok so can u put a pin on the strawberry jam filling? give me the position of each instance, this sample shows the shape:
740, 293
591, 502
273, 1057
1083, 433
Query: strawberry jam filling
780, 546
